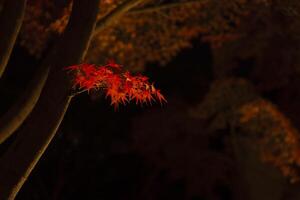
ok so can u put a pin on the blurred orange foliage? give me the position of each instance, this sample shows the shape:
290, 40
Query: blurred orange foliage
234, 102
154, 32
279, 142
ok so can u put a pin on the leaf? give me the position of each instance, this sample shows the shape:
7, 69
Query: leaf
121, 87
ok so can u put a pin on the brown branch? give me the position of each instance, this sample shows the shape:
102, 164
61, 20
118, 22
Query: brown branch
16, 115
116, 13
164, 6
10, 23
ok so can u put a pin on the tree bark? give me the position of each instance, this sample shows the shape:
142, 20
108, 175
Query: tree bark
11, 18
41, 126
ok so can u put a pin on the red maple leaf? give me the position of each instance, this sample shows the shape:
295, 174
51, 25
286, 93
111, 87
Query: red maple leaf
121, 87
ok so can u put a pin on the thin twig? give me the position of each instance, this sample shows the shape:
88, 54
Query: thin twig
115, 14
160, 7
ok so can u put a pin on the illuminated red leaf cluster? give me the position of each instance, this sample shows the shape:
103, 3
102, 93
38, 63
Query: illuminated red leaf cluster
120, 86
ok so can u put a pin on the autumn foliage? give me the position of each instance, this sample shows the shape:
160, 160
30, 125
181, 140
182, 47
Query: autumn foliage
174, 24
277, 139
122, 87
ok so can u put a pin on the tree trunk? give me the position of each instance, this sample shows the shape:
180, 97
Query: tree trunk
11, 18
17, 114
41, 126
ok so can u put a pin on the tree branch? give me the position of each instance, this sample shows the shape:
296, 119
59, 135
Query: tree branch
164, 6
10, 23
16, 115
116, 13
